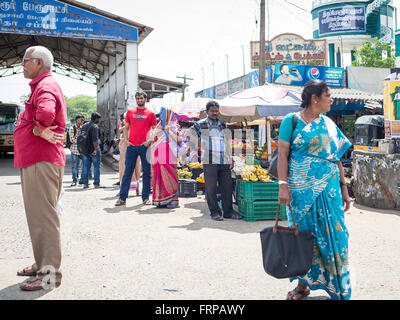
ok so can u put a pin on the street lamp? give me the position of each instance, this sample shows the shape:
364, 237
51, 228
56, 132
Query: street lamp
202, 70
227, 66
213, 66
244, 68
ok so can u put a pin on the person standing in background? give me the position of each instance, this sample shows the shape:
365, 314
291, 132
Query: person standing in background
94, 155
76, 157
139, 122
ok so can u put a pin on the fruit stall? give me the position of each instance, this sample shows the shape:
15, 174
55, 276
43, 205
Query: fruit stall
256, 192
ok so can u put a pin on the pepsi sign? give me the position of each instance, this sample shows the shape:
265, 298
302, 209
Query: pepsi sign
299, 75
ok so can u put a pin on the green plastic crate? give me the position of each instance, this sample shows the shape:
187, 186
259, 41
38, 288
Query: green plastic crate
260, 210
257, 190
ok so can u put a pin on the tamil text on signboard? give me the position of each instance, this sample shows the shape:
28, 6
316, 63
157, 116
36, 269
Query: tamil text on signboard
290, 48
343, 19
58, 19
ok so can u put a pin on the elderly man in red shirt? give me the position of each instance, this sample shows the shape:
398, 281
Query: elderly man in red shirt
39, 153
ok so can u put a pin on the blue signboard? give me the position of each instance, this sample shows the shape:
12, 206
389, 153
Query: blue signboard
299, 75
58, 19
254, 78
342, 20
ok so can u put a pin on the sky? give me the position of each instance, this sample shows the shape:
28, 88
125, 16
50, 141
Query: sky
190, 35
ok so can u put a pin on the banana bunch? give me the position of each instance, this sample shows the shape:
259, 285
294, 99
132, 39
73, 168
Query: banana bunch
195, 165
255, 173
200, 178
184, 174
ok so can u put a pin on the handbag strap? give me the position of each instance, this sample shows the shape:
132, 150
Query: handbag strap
287, 229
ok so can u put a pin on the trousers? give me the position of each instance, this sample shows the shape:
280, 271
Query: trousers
41, 187
222, 174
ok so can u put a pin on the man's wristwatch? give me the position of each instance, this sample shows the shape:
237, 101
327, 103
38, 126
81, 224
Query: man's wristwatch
36, 131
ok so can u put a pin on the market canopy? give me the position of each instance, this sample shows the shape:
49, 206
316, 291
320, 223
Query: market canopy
190, 109
263, 101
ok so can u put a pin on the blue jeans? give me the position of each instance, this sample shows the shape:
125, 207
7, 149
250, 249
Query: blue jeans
87, 163
76, 160
132, 153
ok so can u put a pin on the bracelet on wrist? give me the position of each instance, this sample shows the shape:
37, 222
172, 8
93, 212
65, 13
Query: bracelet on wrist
343, 184
282, 182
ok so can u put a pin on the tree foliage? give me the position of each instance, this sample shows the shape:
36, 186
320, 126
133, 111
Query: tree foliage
376, 54
80, 105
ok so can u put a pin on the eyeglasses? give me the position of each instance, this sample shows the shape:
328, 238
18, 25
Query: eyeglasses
25, 60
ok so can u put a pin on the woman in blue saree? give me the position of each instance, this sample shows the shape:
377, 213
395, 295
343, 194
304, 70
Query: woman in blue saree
311, 180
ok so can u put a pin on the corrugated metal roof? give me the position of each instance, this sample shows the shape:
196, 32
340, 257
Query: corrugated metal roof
346, 93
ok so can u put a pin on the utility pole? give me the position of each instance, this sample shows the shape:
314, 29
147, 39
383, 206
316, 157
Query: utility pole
227, 67
262, 44
244, 68
184, 82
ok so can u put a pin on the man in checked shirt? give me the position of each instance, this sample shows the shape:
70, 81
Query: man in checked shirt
217, 162
76, 157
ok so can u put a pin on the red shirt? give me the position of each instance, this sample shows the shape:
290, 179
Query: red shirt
46, 107
140, 121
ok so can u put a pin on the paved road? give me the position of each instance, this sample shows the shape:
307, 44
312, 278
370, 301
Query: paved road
138, 252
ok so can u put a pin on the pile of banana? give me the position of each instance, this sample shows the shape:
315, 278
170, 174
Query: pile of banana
255, 173
184, 173
200, 178
195, 165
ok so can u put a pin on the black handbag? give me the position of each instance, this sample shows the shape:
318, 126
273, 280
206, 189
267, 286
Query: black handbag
286, 251
273, 164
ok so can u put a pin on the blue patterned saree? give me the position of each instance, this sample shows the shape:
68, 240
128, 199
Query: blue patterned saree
316, 199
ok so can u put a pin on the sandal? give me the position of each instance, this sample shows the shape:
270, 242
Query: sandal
295, 292
26, 272
120, 203
147, 202
35, 285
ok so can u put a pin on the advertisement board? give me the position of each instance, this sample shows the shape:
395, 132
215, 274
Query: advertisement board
391, 108
254, 77
58, 19
290, 48
342, 19
299, 75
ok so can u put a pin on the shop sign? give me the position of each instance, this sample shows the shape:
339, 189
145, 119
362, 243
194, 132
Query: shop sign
221, 91
290, 48
237, 84
58, 19
299, 75
342, 20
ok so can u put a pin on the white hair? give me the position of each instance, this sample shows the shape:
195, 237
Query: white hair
40, 52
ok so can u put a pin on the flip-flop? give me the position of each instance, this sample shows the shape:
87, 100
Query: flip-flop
296, 292
35, 285
25, 273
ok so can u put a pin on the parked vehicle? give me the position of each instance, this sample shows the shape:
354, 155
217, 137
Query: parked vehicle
367, 130
8, 117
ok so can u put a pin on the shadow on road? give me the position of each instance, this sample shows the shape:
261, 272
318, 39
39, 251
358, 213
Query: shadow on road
239, 226
375, 210
15, 293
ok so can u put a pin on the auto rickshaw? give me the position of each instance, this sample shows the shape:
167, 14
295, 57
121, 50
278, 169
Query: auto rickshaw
367, 129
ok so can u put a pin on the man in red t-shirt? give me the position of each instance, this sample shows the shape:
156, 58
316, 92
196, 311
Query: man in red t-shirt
139, 122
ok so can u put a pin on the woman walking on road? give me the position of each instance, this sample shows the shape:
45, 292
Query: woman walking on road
165, 175
311, 180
